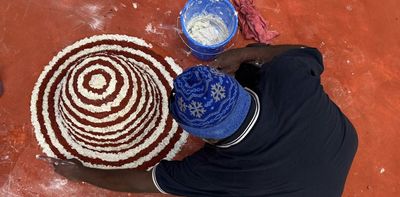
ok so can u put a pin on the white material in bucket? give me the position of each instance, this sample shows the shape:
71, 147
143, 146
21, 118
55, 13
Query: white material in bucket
208, 29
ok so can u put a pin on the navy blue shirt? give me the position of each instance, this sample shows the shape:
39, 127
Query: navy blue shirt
301, 144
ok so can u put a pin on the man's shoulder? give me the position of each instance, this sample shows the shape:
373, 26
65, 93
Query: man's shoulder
296, 60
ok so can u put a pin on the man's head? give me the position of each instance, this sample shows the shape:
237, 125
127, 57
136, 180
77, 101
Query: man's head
209, 104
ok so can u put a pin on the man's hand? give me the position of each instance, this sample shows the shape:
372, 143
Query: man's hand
71, 171
229, 61
123, 180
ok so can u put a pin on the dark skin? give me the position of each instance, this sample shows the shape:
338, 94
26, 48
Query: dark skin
128, 180
124, 180
230, 61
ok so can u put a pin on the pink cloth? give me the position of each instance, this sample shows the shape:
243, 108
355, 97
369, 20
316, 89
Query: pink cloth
252, 24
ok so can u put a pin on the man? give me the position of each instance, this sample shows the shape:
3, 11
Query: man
279, 136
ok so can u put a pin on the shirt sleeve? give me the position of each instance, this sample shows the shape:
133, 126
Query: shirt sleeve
184, 178
248, 75
296, 69
290, 79
309, 58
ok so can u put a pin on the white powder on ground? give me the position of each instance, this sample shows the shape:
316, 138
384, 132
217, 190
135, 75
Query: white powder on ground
207, 29
134, 5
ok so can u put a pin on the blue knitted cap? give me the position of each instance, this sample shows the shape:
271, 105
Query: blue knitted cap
208, 103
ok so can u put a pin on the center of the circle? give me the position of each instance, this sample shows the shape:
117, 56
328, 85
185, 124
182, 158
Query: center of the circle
97, 81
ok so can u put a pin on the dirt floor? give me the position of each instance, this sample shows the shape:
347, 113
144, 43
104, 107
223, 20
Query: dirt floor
358, 38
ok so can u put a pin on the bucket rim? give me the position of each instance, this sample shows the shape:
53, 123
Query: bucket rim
221, 44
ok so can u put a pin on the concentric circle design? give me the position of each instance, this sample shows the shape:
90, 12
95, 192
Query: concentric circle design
104, 101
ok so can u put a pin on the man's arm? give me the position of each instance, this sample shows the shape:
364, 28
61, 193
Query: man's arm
230, 61
124, 180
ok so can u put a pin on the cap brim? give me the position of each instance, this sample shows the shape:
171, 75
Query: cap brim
226, 127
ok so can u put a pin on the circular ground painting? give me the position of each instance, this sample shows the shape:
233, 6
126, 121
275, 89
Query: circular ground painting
104, 101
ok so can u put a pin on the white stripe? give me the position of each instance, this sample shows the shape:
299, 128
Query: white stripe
143, 132
134, 123
178, 145
154, 177
249, 126
106, 106
110, 117
174, 66
92, 95
109, 156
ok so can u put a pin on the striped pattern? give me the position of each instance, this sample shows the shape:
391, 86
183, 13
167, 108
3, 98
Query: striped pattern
104, 101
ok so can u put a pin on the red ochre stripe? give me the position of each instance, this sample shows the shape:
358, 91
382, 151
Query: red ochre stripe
99, 103
110, 133
87, 78
103, 142
99, 161
114, 110
161, 155
109, 98
140, 59
88, 101
134, 107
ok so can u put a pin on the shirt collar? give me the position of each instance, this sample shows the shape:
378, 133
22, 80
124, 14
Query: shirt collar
246, 127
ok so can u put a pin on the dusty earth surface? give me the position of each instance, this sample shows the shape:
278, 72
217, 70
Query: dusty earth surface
358, 39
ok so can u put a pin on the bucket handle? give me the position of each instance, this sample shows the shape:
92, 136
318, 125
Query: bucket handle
179, 32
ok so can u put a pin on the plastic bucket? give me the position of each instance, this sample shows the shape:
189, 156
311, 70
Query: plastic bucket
221, 8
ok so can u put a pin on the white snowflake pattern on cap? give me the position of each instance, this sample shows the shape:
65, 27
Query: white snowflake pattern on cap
196, 109
181, 104
217, 91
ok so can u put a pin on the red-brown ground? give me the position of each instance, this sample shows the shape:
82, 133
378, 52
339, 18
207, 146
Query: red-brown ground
359, 40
